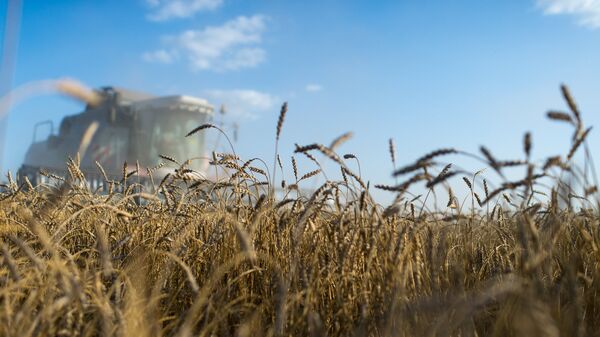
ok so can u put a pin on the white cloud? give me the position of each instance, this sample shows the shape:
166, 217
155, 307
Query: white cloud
163, 10
313, 87
587, 11
160, 56
231, 46
242, 102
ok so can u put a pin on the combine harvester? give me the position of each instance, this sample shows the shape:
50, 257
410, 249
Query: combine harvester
132, 127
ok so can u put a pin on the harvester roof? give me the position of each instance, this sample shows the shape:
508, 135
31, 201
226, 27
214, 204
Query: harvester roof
179, 103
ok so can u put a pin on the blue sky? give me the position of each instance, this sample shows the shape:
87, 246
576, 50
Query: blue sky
429, 74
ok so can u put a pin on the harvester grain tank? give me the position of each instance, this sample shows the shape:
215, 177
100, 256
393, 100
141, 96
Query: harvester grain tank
132, 127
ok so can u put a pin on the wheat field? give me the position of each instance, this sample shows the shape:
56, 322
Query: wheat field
250, 255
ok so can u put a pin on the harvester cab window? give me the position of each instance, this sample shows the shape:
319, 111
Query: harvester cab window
168, 137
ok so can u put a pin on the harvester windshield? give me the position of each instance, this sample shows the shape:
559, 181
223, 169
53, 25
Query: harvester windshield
168, 136
165, 121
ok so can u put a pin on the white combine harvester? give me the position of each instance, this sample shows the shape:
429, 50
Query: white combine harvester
132, 127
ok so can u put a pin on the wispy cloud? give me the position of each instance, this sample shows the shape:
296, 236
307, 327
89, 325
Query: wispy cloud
163, 10
243, 103
587, 11
233, 45
313, 87
160, 56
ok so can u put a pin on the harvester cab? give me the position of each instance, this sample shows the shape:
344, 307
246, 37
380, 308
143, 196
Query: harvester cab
132, 127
